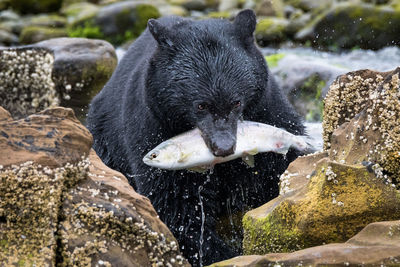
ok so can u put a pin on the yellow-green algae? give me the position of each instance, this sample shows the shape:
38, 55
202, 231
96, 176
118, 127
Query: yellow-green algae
31, 196
337, 203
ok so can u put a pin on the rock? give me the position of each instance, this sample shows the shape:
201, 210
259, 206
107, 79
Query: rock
377, 244
366, 106
198, 5
26, 84
228, 5
269, 8
79, 11
310, 5
53, 138
329, 197
116, 22
61, 207
304, 82
81, 68
44, 20
8, 38
33, 34
271, 31
170, 10
34, 6
7, 15
354, 25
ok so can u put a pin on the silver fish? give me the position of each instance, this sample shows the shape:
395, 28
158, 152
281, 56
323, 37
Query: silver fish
189, 151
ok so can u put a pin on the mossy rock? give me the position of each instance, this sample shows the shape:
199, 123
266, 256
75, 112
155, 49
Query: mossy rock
80, 11
338, 202
271, 31
33, 34
48, 21
116, 23
35, 6
354, 25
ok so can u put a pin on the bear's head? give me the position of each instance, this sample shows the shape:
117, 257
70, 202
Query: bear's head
205, 74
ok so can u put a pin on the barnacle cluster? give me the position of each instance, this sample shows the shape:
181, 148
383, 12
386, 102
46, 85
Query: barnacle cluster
26, 84
377, 95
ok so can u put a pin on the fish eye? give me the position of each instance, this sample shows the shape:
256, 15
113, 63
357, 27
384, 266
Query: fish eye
153, 155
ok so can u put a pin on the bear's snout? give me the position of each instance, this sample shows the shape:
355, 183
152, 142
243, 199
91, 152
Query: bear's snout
223, 144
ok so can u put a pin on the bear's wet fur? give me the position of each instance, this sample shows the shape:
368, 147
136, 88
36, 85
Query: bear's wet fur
180, 74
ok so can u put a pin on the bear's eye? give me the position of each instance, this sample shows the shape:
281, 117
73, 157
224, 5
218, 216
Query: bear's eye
237, 104
202, 106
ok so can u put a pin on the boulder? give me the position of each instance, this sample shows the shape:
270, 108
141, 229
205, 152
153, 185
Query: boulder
366, 105
33, 34
60, 204
81, 68
61, 71
116, 22
350, 25
26, 84
377, 244
34, 6
330, 196
271, 31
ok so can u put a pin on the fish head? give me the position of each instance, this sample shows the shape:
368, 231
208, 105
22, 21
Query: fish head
167, 155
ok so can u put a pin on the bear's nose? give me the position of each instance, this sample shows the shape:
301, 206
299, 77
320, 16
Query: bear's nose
223, 148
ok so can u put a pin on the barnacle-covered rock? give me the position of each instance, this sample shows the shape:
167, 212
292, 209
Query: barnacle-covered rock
59, 71
330, 196
60, 205
26, 85
373, 137
81, 68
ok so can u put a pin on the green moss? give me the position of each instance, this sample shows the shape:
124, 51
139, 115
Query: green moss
33, 34
273, 233
88, 30
218, 15
273, 59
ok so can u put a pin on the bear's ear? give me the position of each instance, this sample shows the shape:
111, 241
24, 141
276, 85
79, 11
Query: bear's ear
160, 32
245, 24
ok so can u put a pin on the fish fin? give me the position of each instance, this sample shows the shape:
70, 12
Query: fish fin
252, 152
199, 169
248, 159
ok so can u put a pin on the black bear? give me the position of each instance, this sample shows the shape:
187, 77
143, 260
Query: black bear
180, 74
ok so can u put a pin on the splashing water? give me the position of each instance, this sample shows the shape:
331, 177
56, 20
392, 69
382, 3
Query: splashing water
203, 218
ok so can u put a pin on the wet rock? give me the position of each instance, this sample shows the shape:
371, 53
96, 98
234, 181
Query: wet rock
51, 138
377, 244
26, 84
310, 5
8, 38
354, 25
227, 5
171, 10
81, 68
271, 30
34, 34
61, 206
116, 22
269, 8
328, 197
